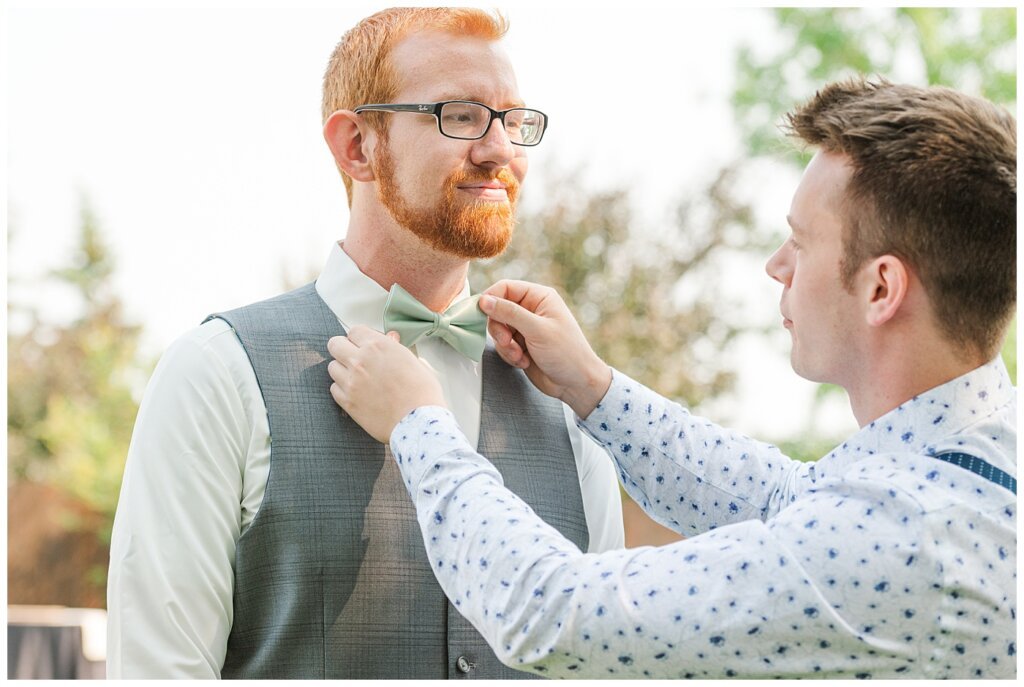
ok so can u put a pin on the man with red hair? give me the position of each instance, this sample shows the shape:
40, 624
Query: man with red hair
235, 557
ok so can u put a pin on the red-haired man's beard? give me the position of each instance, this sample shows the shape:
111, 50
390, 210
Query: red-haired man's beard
458, 224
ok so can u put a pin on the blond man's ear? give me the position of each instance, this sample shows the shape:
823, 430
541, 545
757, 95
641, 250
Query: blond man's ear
884, 282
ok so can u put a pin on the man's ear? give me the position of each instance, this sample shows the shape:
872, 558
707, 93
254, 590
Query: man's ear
345, 133
884, 281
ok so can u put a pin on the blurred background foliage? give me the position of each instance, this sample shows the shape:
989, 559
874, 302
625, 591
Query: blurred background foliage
73, 388
69, 397
968, 49
627, 287
71, 404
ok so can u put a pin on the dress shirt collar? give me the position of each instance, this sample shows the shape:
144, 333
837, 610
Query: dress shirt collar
353, 297
919, 424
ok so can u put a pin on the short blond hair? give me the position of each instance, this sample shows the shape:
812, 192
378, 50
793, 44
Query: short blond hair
934, 182
360, 69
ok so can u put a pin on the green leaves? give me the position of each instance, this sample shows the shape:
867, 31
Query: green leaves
70, 403
972, 50
645, 297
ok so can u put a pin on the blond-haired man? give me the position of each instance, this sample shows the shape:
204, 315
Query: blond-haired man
236, 557
892, 556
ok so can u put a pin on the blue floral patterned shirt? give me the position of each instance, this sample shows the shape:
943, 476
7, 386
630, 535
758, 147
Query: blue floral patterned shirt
874, 561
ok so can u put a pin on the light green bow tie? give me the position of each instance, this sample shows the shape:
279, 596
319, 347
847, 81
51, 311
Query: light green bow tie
463, 326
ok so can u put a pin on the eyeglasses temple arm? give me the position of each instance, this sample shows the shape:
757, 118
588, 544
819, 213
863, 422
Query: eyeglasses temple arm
422, 108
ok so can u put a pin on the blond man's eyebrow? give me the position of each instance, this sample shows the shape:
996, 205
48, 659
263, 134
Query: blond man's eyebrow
793, 225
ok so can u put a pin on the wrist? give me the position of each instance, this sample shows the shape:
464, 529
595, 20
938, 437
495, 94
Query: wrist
423, 435
425, 401
583, 398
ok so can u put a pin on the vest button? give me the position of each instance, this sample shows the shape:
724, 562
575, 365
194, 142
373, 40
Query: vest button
463, 664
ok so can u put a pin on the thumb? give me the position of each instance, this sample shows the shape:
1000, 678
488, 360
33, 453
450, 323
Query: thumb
512, 314
394, 336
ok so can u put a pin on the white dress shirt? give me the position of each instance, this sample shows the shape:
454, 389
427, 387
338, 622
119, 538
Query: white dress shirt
196, 472
877, 560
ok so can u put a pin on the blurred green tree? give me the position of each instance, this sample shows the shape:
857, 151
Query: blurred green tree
970, 49
647, 301
70, 397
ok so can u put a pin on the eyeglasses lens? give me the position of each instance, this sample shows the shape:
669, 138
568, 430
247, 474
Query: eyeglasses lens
470, 120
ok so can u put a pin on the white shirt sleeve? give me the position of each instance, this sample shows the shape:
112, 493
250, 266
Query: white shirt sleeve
170, 587
735, 478
602, 502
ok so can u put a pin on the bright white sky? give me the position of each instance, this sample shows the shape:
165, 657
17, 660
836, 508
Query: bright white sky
195, 134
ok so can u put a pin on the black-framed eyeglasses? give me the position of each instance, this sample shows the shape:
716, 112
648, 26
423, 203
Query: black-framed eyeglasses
469, 120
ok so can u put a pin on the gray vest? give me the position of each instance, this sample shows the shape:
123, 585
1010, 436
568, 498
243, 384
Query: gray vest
331, 578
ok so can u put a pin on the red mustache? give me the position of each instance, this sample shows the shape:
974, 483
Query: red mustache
506, 177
